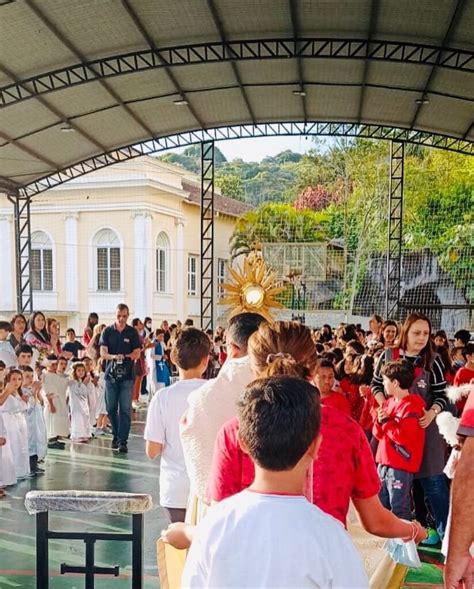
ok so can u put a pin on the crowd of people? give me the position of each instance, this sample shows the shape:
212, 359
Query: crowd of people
252, 417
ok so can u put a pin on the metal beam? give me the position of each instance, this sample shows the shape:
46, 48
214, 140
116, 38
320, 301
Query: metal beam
374, 13
207, 235
22, 217
56, 112
395, 232
468, 131
9, 186
73, 49
323, 129
234, 51
151, 43
295, 26
222, 34
456, 15
234, 86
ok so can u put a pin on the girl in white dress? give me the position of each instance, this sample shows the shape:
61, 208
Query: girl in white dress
93, 381
37, 434
13, 409
78, 395
101, 409
3, 443
55, 410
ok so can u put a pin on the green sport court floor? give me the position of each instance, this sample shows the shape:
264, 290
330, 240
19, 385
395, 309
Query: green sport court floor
95, 467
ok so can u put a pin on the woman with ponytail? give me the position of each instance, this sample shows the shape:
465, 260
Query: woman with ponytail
344, 470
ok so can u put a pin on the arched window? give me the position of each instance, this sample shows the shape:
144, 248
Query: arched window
107, 246
41, 261
162, 262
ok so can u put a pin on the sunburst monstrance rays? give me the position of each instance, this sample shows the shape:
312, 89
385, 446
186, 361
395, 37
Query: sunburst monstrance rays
253, 289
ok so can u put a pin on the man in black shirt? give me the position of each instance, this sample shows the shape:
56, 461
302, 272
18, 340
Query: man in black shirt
120, 347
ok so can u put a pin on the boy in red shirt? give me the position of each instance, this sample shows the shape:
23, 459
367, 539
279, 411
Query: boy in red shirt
401, 438
465, 374
324, 380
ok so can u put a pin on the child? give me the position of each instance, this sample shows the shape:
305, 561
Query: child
401, 437
78, 394
37, 434
302, 546
101, 409
190, 353
5, 468
457, 357
24, 355
72, 345
7, 353
13, 409
324, 380
465, 374
55, 411
92, 398
162, 372
346, 375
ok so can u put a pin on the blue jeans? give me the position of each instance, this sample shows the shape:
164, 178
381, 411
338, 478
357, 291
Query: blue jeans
118, 400
395, 493
436, 492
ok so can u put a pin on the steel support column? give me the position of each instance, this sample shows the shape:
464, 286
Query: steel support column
207, 234
24, 288
395, 231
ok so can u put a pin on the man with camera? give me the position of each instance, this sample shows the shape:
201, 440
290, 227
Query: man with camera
120, 347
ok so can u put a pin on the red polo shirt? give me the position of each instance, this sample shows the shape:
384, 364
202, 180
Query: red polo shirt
338, 401
344, 468
466, 427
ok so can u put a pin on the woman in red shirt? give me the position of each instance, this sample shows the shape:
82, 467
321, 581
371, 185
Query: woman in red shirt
345, 468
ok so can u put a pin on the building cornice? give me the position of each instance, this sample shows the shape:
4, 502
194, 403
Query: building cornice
108, 184
66, 209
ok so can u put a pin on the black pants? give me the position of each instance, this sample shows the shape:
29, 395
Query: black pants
176, 514
33, 462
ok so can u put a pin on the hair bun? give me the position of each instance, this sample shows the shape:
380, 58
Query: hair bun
272, 357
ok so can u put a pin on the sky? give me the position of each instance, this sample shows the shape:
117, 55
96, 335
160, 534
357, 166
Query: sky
254, 150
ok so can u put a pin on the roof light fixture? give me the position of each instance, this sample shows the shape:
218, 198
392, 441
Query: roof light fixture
300, 92
181, 101
422, 100
67, 128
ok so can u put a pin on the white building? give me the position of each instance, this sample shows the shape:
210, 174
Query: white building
128, 233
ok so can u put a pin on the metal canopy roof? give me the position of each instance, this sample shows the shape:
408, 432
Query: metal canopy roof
83, 78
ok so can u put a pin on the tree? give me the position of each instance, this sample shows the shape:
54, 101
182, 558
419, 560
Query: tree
272, 223
315, 198
231, 185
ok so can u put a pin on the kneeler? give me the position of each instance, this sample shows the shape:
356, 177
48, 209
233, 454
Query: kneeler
41, 503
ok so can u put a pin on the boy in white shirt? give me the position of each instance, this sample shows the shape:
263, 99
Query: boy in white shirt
269, 535
190, 353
